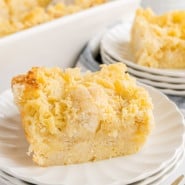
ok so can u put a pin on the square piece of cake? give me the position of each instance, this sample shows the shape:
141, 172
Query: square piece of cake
71, 117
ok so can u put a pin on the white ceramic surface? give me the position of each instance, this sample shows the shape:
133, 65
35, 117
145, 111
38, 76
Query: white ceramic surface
172, 92
59, 42
116, 44
163, 174
163, 144
160, 84
156, 80
157, 77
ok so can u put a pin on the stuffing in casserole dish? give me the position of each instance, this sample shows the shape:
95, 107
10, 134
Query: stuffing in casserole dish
16, 15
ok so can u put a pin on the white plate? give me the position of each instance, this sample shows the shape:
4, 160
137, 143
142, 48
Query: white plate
116, 43
165, 173
172, 92
156, 77
169, 91
163, 144
163, 84
179, 81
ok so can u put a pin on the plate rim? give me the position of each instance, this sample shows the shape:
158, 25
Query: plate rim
166, 90
160, 179
140, 73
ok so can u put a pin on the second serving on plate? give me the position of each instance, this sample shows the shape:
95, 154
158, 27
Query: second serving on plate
116, 47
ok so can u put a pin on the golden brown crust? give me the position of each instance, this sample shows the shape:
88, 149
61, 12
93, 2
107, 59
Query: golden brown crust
29, 79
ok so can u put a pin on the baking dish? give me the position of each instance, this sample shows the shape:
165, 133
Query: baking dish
59, 42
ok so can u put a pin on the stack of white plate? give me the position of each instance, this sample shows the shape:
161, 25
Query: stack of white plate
161, 155
115, 48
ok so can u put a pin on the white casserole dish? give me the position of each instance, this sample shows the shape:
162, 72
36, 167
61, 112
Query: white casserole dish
59, 42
